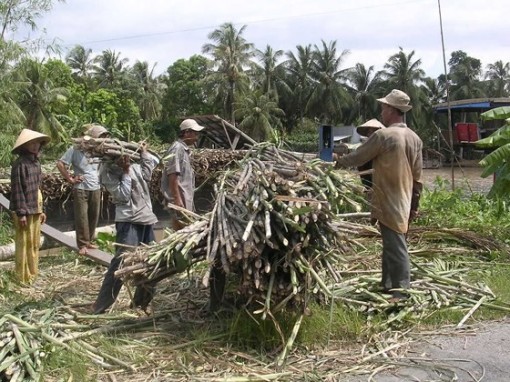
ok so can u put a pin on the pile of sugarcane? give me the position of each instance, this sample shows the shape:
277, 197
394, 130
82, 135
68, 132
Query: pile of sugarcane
53, 187
27, 338
107, 148
275, 224
206, 162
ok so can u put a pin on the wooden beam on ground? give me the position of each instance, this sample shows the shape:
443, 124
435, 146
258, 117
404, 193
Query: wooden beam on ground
94, 254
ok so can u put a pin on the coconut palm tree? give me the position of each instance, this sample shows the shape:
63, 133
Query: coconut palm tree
404, 73
298, 67
81, 62
465, 72
259, 115
364, 85
108, 68
38, 98
498, 74
329, 93
149, 89
434, 90
231, 54
270, 73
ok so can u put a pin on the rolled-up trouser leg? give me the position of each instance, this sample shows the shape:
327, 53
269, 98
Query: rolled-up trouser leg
81, 219
395, 259
94, 208
110, 287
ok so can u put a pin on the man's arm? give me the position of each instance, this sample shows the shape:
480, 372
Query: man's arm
363, 154
173, 189
417, 183
116, 179
63, 169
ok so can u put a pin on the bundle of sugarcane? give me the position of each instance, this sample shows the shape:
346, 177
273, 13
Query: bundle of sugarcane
107, 148
275, 223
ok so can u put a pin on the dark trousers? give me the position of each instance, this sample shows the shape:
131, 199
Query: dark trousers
217, 280
129, 235
395, 261
86, 214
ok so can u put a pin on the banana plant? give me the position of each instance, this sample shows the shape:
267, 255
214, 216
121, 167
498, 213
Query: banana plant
498, 161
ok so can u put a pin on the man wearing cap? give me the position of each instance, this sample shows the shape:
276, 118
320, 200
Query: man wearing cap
178, 187
27, 203
396, 155
86, 188
178, 179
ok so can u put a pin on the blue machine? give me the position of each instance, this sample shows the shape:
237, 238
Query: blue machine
326, 143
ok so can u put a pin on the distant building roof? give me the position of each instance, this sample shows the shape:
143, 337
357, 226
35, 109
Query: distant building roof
472, 105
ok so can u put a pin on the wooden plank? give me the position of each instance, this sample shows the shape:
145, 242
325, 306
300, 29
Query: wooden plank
94, 254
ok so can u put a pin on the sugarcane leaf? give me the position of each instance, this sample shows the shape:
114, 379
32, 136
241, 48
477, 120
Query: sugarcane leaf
502, 112
302, 210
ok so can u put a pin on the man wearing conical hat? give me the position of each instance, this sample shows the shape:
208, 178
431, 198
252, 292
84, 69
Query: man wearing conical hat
86, 188
27, 203
396, 155
366, 130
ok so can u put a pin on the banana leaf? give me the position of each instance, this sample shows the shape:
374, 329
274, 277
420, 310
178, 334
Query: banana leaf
499, 156
499, 138
502, 112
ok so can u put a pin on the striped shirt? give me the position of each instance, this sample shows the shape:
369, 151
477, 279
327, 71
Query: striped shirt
26, 177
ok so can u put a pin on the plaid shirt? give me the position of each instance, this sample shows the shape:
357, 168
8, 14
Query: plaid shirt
26, 177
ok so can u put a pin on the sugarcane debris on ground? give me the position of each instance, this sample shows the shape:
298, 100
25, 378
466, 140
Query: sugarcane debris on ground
355, 332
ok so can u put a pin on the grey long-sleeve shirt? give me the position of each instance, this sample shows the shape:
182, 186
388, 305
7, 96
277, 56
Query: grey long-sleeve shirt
130, 192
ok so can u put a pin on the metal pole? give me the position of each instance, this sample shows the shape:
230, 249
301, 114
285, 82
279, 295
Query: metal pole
450, 128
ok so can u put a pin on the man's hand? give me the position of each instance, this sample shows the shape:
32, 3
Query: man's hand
23, 221
413, 215
42, 218
124, 163
75, 179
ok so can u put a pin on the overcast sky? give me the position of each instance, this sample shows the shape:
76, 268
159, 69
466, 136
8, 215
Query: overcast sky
162, 31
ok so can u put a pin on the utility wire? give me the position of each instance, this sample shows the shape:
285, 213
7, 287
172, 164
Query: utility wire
272, 19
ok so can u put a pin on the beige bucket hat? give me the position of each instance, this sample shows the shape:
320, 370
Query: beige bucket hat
94, 130
368, 126
28, 135
397, 99
188, 124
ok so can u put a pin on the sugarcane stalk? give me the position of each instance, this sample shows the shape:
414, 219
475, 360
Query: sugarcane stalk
290, 342
22, 346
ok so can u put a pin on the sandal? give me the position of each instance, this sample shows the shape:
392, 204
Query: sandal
83, 251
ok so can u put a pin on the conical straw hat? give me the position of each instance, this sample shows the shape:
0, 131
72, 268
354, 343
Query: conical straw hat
368, 126
28, 135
